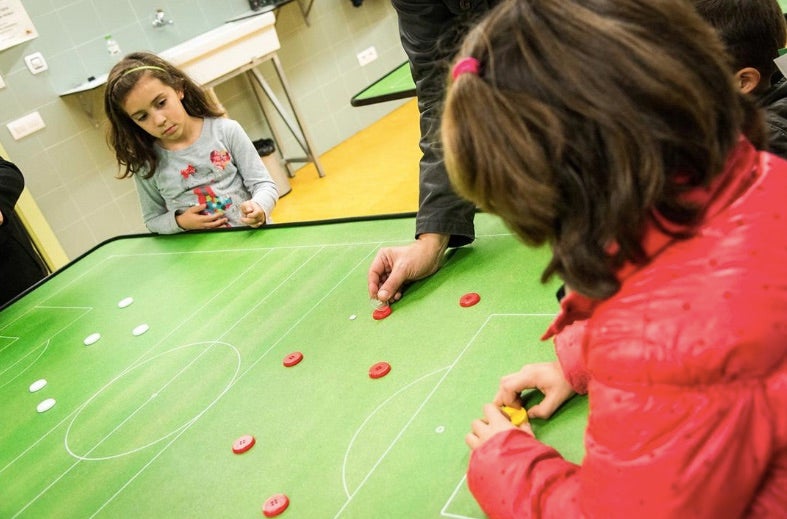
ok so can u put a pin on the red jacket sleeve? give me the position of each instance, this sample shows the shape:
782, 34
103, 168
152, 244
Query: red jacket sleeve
651, 452
514, 475
568, 346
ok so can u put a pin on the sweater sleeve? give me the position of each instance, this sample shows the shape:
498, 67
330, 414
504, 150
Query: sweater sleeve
256, 178
158, 219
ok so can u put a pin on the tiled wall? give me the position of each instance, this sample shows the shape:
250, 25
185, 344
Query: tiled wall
68, 167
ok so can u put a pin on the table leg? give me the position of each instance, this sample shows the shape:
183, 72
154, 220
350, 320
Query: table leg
297, 129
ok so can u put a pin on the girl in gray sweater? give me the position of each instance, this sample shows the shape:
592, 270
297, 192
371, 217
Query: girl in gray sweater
194, 169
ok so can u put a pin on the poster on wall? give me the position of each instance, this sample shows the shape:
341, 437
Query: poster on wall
15, 24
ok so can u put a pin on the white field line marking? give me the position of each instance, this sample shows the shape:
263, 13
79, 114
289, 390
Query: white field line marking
61, 422
43, 346
236, 379
451, 498
377, 244
47, 307
210, 344
426, 399
306, 313
182, 429
247, 249
369, 417
11, 339
139, 360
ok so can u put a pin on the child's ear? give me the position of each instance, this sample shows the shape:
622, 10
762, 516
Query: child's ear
748, 79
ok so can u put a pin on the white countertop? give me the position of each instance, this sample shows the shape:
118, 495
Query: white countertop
191, 48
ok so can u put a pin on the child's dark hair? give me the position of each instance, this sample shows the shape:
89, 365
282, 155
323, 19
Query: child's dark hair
587, 117
134, 146
753, 31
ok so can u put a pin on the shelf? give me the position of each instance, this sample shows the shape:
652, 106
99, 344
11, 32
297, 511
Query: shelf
305, 7
87, 85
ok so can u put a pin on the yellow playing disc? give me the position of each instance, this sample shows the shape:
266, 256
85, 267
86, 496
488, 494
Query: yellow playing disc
517, 416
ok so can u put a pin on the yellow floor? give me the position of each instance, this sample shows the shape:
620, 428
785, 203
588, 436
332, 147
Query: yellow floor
373, 172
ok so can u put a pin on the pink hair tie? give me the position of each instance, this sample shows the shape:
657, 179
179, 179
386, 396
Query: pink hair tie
465, 65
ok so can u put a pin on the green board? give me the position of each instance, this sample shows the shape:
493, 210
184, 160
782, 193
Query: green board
397, 84
143, 425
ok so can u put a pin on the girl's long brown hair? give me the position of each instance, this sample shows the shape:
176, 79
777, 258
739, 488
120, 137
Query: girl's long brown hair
134, 146
587, 116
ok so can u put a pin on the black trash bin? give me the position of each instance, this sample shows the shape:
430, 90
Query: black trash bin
273, 163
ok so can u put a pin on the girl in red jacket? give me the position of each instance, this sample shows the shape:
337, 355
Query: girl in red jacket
611, 130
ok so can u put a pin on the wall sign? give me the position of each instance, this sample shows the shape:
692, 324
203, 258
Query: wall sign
15, 24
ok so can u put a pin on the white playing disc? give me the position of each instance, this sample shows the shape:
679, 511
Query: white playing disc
38, 385
125, 302
353, 317
92, 339
139, 330
46, 405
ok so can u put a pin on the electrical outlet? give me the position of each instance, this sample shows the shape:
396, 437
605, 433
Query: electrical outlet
366, 56
26, 125
36, 63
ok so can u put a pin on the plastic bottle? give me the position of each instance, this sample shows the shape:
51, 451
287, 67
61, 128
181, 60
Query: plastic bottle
113, 48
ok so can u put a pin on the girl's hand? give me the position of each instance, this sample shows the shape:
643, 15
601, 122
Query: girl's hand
193, 218
547, 377
252, 214
493, 422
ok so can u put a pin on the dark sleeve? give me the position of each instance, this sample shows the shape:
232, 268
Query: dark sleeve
11, 185
430, 32
20, 265
776, 121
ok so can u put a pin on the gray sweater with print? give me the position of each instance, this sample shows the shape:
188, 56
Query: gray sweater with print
221, 169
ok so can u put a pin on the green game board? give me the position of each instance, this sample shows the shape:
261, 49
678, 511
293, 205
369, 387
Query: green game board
397, 84
143, 426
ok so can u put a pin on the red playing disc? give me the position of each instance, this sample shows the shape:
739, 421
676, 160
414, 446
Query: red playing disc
469, 299
382, 312
275, 505
380, 369
243, 444
292, 359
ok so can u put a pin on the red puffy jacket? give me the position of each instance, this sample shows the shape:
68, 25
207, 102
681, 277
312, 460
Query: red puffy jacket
686, 373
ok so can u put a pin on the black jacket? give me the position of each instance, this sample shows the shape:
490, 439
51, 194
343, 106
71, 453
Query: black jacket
430, 31
20, 264
774, 101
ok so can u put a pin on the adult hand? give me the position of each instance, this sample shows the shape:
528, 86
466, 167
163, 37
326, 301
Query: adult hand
493, 422
252, 214
394, 266
193, 218
547, 377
